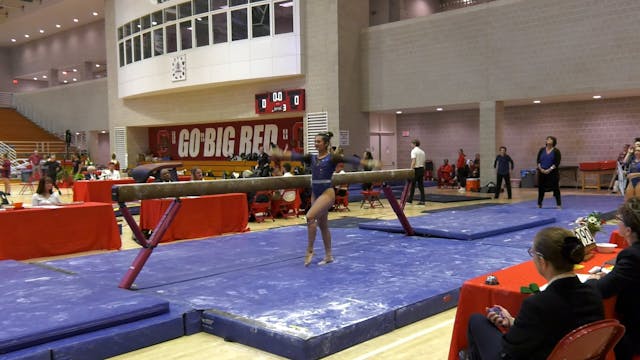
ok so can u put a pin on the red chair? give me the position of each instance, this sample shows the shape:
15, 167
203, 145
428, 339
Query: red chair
260, 207
592, 341
371, 196
446, 178
342, 202
288, 203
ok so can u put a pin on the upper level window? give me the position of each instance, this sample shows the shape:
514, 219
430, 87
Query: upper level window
200, 6
283, 17
238, 2
170, 13
260, 21
218, 4
184, 10
239, 24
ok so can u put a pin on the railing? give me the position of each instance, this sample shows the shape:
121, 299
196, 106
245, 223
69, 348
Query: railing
457, 4
45, 122
6, 99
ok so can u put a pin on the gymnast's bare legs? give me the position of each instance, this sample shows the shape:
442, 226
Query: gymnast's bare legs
318, 216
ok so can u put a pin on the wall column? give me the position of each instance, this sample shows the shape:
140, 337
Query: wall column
491, 137
53, 77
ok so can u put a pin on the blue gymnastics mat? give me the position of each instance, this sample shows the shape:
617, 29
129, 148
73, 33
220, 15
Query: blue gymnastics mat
40, 305
466, 224
254, 289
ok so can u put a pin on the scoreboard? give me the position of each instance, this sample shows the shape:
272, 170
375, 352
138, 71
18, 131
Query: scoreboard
280, 101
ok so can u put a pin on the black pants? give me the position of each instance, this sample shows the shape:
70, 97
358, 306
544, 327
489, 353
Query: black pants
485, 340
507, 179
419, 179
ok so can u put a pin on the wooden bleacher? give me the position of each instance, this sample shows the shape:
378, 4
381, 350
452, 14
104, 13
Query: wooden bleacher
25, 136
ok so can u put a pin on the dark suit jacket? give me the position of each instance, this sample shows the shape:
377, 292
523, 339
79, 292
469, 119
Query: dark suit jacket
546, 317
624, 281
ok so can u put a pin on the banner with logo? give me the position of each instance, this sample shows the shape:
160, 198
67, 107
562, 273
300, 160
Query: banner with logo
221, 141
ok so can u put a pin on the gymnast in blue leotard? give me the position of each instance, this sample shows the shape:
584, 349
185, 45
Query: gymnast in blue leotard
323, 194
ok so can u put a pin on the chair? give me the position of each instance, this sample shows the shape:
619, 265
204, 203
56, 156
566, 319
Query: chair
342, 202
260, 207
592, 341
371, 196
288, 203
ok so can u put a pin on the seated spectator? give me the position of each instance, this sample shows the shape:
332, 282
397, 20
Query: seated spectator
44, 193
445, 174
110, 173
341, 190
624, 280
196, 174
287, 169
91, 173
545, 317
367, 156
165, 176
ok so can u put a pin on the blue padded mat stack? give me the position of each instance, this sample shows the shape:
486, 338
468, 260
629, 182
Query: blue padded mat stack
42, 306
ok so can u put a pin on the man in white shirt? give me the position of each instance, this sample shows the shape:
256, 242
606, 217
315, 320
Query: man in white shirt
110, 173
417, 164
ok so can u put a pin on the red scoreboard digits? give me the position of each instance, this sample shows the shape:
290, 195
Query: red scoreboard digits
280, 101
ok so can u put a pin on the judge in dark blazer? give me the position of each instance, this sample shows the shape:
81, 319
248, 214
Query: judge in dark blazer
624, 281
546, 317
548, 161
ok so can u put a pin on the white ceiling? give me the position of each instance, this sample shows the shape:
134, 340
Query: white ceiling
19, 17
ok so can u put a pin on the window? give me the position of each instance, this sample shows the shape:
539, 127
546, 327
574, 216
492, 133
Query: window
121, 53
135, 26
185, 35
145, 21
283, 17
158, 42
218, 4
120, 33
202, 31
127, 29
172, 41
200, 6
238, 2
184, 10
127, 49
260, 21
146, 45
137, 48
239, 24
170, 14
220, 28
156, 18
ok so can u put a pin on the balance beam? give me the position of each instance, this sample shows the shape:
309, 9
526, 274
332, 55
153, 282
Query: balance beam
131, 192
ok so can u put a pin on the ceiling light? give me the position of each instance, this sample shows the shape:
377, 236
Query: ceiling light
439, 109
154, 23
537, 101
77, 133
58, 26
103, 131
286, 4
75, 70
75, 20
44, 76
94, 13
399, 112
97, 65
41, 31
35, 78
64, 73
13, 40
66, 81
26, 35
597, 96
74, 79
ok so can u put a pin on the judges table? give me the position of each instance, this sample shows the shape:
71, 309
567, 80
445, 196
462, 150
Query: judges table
96, 190
57, 230
198, 216
475, 295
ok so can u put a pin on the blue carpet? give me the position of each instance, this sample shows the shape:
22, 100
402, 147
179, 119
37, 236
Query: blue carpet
30, 318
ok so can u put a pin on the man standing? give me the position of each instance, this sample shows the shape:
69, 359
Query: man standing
417, 164
503, 165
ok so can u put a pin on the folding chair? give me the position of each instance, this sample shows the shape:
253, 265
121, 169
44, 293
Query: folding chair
371, 196
288, 203
260, 207
592, 341
342, 202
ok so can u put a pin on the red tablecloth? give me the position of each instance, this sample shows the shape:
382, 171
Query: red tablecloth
475, 295
616, 238
198, 216
96, 190
38, 232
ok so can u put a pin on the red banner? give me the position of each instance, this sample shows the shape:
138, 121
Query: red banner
220, 141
